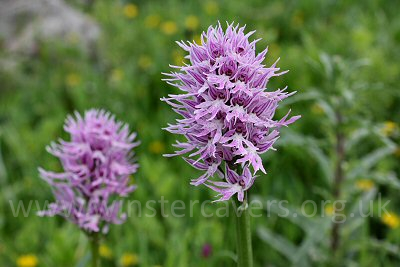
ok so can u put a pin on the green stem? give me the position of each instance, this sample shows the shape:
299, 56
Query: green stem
243, 234
94, 246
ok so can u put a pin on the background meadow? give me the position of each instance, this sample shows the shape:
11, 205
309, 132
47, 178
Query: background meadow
343, 58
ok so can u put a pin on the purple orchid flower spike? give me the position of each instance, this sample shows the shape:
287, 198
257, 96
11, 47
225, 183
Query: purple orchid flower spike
227, 111
97, 164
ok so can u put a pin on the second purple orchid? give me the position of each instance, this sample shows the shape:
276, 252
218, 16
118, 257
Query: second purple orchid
227, 112
97, 163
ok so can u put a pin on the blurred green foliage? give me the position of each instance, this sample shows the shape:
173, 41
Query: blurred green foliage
343, 56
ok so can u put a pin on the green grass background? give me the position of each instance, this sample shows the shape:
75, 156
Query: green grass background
123, 75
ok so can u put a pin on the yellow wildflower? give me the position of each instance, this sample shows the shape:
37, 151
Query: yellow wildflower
177, 57
28, 260
317, 109
105, 252
152, 21
365, 184
391, 220
397, 152
130, 11
129, 259
191, 22
389, 128
145, 62
117, 75
157, 147
297, 20
73, 79
211, 8
169, 27
197, 39
329, 210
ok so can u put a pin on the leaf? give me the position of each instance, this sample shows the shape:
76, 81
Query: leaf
362, 204
328, 109
226, 254
326, 62
314, 228
387, 179
311, 241
279, 243
370, 160
356, 137
358, 211
312, 147
360, 63
299, 257
386, 246
322, 192
309, 225
310, 95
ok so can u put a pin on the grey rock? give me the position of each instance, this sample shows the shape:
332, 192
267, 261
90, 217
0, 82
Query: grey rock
23, 23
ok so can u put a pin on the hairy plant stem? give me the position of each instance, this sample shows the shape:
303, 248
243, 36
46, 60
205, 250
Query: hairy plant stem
339, 177
94, 246
243, 233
